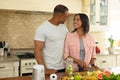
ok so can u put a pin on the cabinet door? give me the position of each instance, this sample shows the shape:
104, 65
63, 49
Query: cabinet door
118, 60
6, 69
4, 66
16, 68
9, 73
106, 61
99, 15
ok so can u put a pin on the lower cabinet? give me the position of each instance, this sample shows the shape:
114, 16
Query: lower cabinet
8, 73
118, 60
9, 69
106, 61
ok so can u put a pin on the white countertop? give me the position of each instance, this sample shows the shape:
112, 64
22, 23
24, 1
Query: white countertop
9, 58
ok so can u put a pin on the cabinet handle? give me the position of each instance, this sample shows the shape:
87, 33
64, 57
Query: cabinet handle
2, 67
97, 22
104, 61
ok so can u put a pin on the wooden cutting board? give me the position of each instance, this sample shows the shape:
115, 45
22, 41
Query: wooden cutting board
85, 77
89, 78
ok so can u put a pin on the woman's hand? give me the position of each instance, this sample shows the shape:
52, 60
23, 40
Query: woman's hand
95, 67
82, 64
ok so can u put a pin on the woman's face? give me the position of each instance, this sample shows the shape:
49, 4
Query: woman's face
77, 22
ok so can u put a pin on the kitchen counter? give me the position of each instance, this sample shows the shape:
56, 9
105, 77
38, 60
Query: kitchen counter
30, 77
9, 58
17, 78
59, 75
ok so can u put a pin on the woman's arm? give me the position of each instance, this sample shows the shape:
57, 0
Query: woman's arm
79, 62
93, 57
92, 64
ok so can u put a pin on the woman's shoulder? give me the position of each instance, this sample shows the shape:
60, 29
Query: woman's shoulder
89, 39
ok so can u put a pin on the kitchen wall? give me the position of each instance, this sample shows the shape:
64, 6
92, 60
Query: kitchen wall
18, 28
100, 37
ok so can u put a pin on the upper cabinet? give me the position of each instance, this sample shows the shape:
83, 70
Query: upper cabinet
98, 11
74, 6
99, 15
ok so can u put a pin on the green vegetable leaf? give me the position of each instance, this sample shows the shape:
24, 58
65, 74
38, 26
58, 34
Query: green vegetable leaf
105, 77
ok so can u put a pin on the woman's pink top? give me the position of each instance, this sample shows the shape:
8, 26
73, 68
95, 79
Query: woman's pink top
72, 48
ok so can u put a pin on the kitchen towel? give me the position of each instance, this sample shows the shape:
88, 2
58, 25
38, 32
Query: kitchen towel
38, 72
53, 77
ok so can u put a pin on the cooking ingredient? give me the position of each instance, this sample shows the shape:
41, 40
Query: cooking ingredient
93, 73
112, 77
71, 78
77, 76
104, 73
107, 73
69, 70
91, 78
65, 78
100, 75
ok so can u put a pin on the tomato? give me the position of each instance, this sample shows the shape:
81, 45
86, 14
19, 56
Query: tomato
107, 73
99, 76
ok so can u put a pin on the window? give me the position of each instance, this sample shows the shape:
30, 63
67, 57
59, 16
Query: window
115, 26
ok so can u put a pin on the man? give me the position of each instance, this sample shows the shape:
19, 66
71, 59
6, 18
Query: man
49, 41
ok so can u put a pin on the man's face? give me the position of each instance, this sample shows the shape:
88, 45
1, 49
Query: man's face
64, 16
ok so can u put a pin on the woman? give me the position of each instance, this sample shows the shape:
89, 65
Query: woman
80, 45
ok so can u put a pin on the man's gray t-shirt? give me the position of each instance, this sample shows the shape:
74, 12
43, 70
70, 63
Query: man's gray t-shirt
54, 37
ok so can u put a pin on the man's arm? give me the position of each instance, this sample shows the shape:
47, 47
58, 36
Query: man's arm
38, 46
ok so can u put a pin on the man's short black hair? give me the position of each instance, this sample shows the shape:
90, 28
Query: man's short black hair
60, 9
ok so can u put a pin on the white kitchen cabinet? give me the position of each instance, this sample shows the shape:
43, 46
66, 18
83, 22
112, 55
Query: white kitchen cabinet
9, 69
118, 60
99, 15
106, 61
16, 68
6, 69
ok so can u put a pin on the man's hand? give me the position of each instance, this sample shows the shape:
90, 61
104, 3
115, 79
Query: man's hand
50, 71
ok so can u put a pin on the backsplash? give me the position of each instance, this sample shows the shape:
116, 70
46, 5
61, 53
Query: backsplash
18, 28
100, 37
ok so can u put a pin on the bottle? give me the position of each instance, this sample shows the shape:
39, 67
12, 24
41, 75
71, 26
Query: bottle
97, 48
